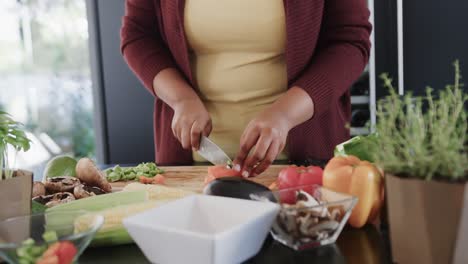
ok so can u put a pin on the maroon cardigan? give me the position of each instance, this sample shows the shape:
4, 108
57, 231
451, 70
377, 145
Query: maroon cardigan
327, 48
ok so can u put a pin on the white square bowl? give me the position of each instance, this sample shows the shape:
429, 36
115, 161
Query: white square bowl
202, 229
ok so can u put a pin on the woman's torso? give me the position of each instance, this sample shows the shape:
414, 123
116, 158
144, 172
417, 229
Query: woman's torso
237, 59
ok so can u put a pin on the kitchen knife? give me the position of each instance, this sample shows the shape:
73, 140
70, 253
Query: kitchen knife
213, 153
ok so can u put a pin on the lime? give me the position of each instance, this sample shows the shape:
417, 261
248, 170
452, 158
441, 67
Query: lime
60, 166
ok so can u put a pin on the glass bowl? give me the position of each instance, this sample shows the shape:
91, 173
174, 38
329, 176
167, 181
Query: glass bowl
310, 215
26, 237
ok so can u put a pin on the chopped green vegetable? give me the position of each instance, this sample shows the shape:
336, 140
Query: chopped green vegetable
28, 242
129, 177
149, 169
28, 253
36, 251
50, 236
24, 261
113, 176
117, 168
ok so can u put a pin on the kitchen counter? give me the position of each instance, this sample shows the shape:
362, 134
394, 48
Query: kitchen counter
367, 245
354, 246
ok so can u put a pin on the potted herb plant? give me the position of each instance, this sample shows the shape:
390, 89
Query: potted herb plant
15, 185
422, 144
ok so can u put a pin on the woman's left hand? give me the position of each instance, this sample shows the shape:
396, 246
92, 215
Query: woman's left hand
266, 135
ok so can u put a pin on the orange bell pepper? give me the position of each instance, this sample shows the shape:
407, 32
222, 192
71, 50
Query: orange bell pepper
348, 174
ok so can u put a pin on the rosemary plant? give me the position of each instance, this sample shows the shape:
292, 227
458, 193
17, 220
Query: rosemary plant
11, 134
424, 137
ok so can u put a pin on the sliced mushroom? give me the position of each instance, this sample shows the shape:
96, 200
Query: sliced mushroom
83, 191
61, 184
308, 220
287, 219
321, 235
38, 189
306, 198
305, 223
54, 199
325, 226
43, 199
60, 198
335, 214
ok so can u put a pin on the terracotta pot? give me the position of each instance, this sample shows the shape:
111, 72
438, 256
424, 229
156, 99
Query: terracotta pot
427, 220
15, 195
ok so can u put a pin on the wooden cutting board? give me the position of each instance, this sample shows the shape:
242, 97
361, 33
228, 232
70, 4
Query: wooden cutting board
191, 178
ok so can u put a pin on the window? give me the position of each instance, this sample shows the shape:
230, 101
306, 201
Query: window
45, 77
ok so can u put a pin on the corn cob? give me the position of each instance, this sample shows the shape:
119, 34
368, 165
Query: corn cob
101, 202
59, 221
112, 231
114, 207
157, 192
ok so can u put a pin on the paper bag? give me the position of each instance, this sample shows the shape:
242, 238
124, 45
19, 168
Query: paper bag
15, 195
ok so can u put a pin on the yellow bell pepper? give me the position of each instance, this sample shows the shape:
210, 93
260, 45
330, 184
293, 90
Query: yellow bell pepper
348, 174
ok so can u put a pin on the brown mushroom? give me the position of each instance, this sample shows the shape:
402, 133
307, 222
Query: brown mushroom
60, 198
43, 199
54, 199
38, 189
307, 220
83, 191
325, 226
61, 184
89, 174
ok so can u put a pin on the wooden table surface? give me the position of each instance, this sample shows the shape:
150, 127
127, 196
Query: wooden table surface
191, 178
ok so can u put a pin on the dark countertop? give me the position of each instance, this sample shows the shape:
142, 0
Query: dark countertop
354, 246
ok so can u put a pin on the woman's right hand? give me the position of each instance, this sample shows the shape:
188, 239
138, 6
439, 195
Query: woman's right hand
191, 120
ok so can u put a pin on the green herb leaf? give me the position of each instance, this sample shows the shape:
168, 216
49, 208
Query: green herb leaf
424, 137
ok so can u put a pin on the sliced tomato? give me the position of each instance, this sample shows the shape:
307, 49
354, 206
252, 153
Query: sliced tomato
145, 180
59, 253
294, 176
219, 171
51, 252
66, 252
159, 179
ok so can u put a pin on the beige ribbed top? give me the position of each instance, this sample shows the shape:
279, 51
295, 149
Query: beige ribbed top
237, 58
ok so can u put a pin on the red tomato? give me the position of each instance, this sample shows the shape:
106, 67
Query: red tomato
66, 252
293, 176
220, 171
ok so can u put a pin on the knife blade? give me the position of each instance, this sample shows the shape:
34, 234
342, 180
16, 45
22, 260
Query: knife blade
213, 153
